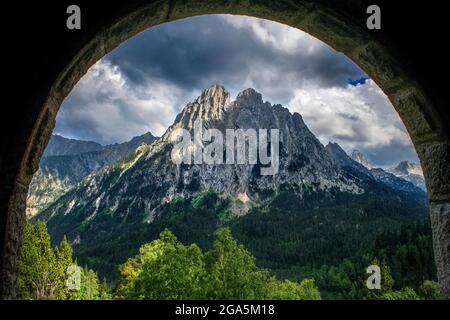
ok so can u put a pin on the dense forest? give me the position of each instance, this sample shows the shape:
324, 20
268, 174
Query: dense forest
163, 269
44, 271
330, 237
289, 243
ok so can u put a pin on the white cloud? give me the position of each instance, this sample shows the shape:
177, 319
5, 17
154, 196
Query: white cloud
359, 117
280, 36
110, 108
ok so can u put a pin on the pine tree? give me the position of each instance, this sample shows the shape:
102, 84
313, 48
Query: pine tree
63, 256
386, 282
89, 285
429, 290
232, 270
42, 270
104, 291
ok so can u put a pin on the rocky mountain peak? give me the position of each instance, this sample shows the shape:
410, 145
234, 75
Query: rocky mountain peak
359, 157
216, 109
214, 97
249, 97
406, 168
59, 145
210, 105
343, 160
336, 151
411, 172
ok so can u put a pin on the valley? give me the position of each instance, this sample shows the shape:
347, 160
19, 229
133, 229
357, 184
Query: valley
324, 215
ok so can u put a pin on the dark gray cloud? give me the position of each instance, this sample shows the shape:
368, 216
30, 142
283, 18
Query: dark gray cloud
145, 82
107, 108
196, 52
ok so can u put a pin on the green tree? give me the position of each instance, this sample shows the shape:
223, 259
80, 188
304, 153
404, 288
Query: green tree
63, 256
90, 287
429, 290
387, 291
104, 291
168, 270
386, 283
128, 271
403, 294
288, 290
232, 272
42, 270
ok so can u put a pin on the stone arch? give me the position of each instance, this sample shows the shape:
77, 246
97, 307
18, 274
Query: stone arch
334, 25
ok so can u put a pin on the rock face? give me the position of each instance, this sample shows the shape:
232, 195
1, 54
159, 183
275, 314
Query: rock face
411, 172
359, 157
405, 168
149, 178
67, 161
345, 162
132, 191
303, 159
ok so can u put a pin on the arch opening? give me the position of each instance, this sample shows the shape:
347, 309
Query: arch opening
413, 106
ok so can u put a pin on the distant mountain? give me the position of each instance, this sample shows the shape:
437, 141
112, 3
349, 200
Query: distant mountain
357, 169
359, 157
405, 170
411, 172
393, 181
344, 161
61, 146
67, 161
111, 212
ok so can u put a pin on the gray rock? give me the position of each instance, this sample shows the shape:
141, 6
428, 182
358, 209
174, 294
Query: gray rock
359, 157
143, 182
67, 161
411, 172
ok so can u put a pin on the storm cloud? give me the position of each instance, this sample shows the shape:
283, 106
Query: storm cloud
234, 51
145, 82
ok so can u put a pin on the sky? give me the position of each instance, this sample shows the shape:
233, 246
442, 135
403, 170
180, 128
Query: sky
144, 83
